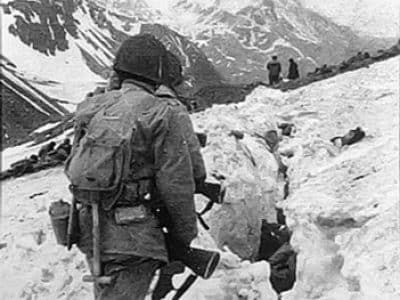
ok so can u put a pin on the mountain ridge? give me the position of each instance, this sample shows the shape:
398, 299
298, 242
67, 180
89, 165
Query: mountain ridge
69, 44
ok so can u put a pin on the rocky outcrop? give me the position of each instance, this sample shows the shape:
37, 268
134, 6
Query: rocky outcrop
24, 108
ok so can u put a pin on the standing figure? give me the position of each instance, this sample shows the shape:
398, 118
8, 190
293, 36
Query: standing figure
135, 152
274, 69
293, 70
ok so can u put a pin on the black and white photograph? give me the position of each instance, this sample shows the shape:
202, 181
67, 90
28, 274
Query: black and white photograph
200, 149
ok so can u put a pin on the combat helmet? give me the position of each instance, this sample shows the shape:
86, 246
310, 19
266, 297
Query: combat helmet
142, 55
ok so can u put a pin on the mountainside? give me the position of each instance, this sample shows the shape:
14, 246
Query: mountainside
368, 17
240, 37
84, 34
24, 107
236, 37
65, 48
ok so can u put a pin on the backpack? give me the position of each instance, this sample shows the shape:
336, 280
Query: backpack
100, 159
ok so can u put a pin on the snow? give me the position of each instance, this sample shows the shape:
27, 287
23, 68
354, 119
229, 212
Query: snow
70, 61
370, 17
27, 99
46, 127
74, 74
342, 207
20, 83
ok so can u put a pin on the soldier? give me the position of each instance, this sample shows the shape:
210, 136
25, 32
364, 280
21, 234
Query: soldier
274, 69
293, 73
45, 150
164, 165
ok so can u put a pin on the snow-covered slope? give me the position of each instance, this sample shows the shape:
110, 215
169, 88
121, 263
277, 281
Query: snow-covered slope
344, 203
240, 36
342, 206
24, 106
65, 48
369, 17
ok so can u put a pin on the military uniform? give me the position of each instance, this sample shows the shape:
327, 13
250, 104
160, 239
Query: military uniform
166, 152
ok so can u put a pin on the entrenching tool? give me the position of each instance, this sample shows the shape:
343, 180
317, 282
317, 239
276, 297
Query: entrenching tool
96, 277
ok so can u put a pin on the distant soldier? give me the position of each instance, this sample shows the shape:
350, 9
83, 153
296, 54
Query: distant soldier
274, 69
62, 151
24, 166
293, 70
325, 69
45, 150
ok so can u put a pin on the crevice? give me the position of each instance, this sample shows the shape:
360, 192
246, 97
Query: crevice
275, 248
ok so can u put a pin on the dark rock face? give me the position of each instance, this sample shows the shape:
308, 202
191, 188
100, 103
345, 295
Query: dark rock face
23, 107
19, 117
44, 25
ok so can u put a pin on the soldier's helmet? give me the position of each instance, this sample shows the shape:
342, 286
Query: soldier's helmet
142, 55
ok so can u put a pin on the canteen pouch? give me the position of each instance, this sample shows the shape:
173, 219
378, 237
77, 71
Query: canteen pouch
59, 214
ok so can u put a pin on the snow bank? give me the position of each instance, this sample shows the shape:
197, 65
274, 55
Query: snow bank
342, 207
45, 127
343, 204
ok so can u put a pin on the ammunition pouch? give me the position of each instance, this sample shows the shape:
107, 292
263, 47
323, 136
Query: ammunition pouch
127, 194
131, 214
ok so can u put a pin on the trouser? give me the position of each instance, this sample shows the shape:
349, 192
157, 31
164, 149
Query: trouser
273, 79
131, 278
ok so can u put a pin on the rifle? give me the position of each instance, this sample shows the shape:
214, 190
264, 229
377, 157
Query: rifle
212, 191
202, 262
